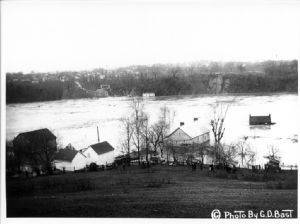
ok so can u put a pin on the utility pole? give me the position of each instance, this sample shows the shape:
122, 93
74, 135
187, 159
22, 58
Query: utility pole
98, 134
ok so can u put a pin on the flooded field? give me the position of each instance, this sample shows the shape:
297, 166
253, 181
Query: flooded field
76, 121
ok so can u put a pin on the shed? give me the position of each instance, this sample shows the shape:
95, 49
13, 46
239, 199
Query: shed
69, 159
101, 153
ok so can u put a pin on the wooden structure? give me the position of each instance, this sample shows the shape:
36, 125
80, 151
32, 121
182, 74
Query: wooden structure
188, 142
69, 160
101, 153
35, 149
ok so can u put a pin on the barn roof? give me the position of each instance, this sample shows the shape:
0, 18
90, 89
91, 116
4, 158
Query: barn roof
65, 154
191, 130
35, 135
102, 147
194, 130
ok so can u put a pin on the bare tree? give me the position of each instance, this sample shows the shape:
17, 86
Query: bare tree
145, 134
138, 115
156, 135
160, 130
274, 159
251, 158
243, 149
128, 129
273, 153
244, 152
229, 154
217, 126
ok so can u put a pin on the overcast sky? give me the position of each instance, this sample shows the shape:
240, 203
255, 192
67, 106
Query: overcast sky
66, 35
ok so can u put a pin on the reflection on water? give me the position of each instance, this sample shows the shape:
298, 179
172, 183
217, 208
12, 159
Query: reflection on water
261, 127
75, 121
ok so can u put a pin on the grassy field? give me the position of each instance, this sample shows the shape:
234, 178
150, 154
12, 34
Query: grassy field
161, 191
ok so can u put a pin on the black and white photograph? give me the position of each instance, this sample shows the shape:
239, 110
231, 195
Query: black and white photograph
149, 109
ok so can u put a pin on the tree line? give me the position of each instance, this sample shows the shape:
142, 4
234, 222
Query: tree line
163, 80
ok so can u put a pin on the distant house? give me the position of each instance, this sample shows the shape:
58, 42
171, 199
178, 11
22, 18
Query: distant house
35, 148
260, 120
69, 160
106, 87
146, 95
101, 93
101, 153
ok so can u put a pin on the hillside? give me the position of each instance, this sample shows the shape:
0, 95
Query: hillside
163, 80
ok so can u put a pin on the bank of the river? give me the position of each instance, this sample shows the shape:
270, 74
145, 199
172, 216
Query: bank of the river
162, 191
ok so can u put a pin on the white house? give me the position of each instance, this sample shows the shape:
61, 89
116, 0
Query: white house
69, 160
147, 95
101, 153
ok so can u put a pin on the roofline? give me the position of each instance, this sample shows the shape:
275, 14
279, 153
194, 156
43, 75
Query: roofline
90, 146
201, 134
176, 130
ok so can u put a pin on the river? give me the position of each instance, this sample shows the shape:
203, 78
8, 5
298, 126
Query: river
76, 121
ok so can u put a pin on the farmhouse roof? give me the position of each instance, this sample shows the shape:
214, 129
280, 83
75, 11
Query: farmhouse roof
194, 130
191, 130
102, 147
65, 154
35, 135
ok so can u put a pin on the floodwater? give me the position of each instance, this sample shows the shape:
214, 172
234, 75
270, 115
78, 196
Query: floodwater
76, 121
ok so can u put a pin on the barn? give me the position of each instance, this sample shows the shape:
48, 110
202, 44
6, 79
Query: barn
188, 141
35, 148
188, 135
69, 160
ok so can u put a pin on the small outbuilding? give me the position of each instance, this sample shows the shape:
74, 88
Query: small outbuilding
101, 153
69, 160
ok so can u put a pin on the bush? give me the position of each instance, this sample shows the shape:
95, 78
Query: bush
93, 167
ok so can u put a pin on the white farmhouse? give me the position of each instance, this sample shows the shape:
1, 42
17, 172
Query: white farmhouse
101, 153
69, 160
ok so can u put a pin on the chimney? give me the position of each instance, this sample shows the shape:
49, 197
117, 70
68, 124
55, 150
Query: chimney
181, 124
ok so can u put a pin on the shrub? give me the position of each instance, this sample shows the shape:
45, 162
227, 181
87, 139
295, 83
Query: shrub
93, 167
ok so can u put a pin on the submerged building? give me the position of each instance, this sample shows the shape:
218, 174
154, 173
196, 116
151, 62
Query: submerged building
260, 120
